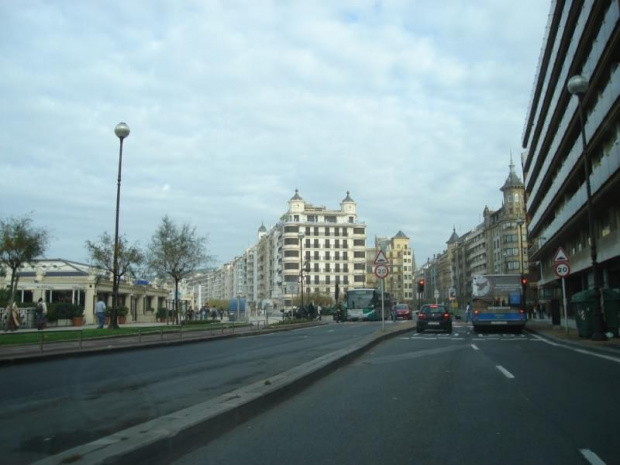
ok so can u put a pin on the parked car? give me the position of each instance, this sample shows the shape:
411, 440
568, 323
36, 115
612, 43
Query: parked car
434, 316
403, 311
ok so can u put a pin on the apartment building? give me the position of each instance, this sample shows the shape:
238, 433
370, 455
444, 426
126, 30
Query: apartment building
582, 38
399, 283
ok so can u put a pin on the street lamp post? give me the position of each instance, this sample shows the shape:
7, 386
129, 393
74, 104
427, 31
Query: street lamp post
301, 267
122, 131
578, 85
520, 223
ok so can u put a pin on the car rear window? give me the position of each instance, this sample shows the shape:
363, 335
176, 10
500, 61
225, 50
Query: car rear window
433, 309
402, 307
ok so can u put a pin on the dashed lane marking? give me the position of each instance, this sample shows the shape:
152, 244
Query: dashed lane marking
591, 457
474, 346
505, 372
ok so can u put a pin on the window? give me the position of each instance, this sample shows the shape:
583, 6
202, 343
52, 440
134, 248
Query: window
344, 244
337, 244
316, 255
330, 219
307, 255
291, 266
359, 266
327, 278
336, 255
308, 231
359, 254
327, 267
359, 242
358, 230
316, 230
291, 253
291, 229
327, 243
337, 267
316, 243
316, 268
296, 218
345, 268
345, 255
351, 219
327, 255
316, 279
358, 279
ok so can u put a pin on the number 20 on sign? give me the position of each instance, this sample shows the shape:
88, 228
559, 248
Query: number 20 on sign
381, 271
562, 270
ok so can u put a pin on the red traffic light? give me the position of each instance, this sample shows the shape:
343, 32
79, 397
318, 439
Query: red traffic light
524, 281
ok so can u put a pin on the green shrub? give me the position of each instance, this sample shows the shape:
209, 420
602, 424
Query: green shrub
63, 310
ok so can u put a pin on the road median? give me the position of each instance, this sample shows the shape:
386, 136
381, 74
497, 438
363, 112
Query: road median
171, 436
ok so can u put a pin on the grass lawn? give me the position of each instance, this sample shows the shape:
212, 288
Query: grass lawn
74, 335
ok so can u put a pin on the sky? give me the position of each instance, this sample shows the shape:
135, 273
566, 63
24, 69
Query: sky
413, 106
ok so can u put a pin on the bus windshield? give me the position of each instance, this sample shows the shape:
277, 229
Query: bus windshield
360, 298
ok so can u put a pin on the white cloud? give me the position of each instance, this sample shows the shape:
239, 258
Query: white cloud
413, 107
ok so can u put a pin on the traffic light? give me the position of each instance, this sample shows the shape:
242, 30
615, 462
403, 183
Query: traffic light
421, 286
524, 282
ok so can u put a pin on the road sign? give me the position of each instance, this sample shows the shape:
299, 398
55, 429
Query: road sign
381, 259
560, 256
381, 271
562, 269
436, 294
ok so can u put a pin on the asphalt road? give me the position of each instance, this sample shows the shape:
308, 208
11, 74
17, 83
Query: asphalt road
429, 398
51, 406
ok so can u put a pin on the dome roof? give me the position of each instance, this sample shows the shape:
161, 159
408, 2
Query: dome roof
262, 228
296, 196
348, 198
513, 180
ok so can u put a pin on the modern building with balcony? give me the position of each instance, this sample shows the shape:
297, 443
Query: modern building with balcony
582, 38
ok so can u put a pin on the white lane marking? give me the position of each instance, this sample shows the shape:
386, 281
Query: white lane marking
474, 346
591, 457
505, 372
330, 331
606, 357
581, 351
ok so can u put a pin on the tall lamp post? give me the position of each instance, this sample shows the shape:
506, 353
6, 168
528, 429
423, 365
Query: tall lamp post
578, 85
301, 266
122, 131
520, 223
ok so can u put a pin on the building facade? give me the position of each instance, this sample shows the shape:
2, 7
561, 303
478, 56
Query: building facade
81, 284
582, 38
399, 282
309, 250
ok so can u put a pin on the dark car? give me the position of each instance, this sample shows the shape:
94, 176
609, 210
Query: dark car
434, 316
403, 311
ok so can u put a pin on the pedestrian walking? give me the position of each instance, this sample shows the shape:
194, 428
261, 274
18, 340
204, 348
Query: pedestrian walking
318, 311
41, 313
467, 312
100, 310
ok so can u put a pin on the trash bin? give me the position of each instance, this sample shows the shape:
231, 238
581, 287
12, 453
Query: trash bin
583, 309
583, 305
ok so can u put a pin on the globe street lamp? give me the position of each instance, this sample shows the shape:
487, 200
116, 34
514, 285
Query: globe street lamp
578, 85
301, 267
121, 130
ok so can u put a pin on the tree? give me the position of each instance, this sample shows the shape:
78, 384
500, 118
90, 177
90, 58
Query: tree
176, 252
20, 243
101, 255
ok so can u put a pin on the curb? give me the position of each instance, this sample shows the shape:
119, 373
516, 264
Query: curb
167, 438
18, 359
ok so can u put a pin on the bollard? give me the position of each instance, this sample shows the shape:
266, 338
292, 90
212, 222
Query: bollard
81, 334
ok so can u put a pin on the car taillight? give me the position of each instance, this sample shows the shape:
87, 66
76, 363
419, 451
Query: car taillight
446, 316
476, 312
420, 316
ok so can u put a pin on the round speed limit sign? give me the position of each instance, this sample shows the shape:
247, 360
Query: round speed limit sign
381, 271
562, 269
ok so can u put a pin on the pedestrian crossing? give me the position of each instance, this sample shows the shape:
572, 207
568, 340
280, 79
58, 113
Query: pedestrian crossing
463, 333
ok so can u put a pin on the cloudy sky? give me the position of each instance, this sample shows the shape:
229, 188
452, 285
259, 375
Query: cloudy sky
414, 106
